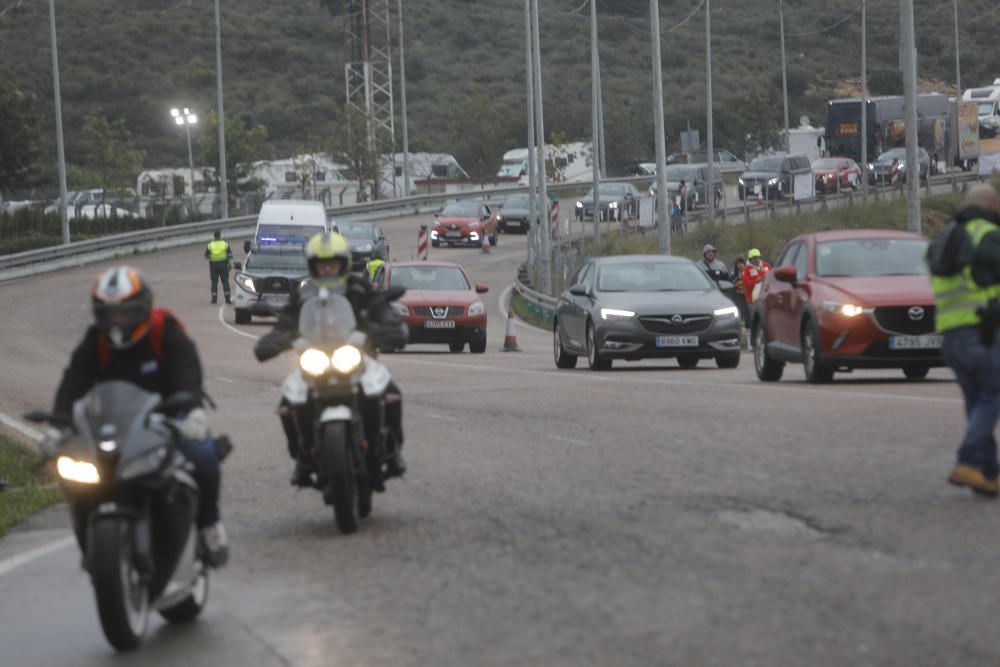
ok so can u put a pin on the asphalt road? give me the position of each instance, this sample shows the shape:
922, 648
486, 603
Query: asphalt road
641, 516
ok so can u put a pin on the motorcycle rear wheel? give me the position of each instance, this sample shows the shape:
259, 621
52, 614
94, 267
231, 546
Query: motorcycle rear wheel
340, 475
122, 597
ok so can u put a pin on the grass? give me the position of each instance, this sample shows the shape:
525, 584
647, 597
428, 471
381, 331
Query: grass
29, 485
530, 313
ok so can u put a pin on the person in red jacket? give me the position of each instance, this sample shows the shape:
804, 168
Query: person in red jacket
753, 272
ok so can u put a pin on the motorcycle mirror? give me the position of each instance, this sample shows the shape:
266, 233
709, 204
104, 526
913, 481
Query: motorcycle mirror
42, 417
393, 293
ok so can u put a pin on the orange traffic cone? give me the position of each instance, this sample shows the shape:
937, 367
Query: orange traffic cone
510, 339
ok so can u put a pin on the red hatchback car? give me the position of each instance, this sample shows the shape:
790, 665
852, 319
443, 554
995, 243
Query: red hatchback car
441, 304
464, 223
829, 170
837, 301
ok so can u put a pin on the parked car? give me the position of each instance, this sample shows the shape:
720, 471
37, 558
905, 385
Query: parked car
366, 239
441, 304
880, 171
836, 173
464, 223
514, 214
634, 307
695, 177
615, 198
725, 160
266, 280
772, 175
842, 300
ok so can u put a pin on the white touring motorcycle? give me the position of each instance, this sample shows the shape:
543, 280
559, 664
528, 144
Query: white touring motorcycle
134, 505
337, 373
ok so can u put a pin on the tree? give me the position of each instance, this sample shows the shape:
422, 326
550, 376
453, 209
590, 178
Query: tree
244, 144
111, 160
479, 136
353, 148
19, 140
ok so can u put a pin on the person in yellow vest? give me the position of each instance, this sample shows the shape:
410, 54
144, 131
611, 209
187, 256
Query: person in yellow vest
967, 312
373, 264
219, 256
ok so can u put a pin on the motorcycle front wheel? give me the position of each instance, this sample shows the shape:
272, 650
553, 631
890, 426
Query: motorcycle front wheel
122, 595
341, 488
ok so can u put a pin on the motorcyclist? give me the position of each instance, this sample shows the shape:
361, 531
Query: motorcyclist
134, 342
329, 259
373, 264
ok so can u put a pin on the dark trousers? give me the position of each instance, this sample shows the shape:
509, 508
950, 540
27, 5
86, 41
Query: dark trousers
977, 369
219, 271
208, 475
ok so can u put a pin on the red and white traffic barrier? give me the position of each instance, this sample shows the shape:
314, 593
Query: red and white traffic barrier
422, 243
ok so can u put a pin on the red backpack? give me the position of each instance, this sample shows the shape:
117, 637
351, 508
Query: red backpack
157, 321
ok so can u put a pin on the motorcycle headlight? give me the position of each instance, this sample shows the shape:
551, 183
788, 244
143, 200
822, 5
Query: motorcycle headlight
845, 309
346, 358
477, 308
81, 472
400, 308
145, 464
246, 282
314, 362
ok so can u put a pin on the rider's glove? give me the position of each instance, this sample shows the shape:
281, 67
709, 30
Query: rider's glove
194, 426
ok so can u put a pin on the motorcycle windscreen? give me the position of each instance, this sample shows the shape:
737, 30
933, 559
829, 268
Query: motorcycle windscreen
111, 409
327, 319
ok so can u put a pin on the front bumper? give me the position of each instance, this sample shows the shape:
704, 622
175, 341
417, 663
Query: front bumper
508, 224
263, 304
473, 238
630, 340
466, 329
859, 342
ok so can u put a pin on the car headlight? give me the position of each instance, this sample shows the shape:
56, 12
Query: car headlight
367, 247
400, 308
499, 218
477, 308
143, 465
613, 204
82, 472
314, 362
773, 181
434, 233
579, 204
246, 282
742, 181
871, 166
616, 314
346, 358
845, 309
727, 311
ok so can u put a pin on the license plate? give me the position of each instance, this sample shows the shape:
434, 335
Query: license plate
915, 342
751, 189
453, 235
676, 341
276, 299
439, 324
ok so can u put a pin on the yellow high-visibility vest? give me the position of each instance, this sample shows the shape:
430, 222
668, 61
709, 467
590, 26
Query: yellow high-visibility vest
958, 297
218, 250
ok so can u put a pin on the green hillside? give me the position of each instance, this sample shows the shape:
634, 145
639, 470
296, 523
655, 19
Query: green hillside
283, 66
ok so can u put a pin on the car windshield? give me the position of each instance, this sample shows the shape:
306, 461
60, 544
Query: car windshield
298, 234
894, 154
429, 277
651, 277
769, 163
679, 173
985, 108
514, 169
516, 201
356, 231
826, 163
285, 263
461, 209
871, 257
609, 190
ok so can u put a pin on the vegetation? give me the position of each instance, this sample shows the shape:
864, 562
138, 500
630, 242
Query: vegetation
29, 487
284, 71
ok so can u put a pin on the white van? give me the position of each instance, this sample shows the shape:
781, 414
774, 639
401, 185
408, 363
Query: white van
988, 101
290, 221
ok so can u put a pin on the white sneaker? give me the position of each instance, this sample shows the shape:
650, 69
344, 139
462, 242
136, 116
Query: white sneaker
216, 544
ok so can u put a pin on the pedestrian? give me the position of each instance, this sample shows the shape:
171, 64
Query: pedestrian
219, 256
753, 274
682, 193
715, 269
967, 313
740, 290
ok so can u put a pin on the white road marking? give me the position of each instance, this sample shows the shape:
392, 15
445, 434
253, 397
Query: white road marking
573, 441
446, 418
226, 380
20, 427
222, 321
9, 564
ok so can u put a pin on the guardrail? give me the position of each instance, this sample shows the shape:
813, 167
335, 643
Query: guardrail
541, 305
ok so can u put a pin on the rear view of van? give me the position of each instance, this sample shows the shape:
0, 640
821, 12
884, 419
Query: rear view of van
290, 221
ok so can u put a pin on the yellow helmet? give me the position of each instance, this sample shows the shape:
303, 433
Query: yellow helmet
328, 249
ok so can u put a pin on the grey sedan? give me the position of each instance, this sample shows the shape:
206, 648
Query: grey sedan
635, 307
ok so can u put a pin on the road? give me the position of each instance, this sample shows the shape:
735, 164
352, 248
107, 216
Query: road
640, 516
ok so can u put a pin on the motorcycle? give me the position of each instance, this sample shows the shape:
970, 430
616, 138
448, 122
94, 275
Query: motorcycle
134, 503
337, 371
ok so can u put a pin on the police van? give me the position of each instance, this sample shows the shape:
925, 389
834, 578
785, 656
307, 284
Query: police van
289, 222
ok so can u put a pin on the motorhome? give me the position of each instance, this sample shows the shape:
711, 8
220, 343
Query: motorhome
569, 162
987, 100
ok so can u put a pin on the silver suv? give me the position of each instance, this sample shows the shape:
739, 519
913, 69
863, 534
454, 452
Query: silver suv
266, 279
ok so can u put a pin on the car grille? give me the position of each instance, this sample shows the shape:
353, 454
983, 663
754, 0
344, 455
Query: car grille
897, 319
439, 312
273, 285
666, 324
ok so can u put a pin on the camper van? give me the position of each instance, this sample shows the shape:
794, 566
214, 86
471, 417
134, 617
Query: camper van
988, 101
569, 162
290, 222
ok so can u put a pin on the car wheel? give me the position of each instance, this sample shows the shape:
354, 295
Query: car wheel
478, 346
916, 371
728, 360
817, 371
718, 199
687, 361
456, 347
593, 354
243, 316
768, 370
562, 357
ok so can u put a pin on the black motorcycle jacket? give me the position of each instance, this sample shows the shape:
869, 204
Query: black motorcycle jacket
373, 313
173, 367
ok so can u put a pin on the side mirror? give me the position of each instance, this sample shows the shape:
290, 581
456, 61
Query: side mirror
437, 215
579, 290
786, 274
246, 246
481, 288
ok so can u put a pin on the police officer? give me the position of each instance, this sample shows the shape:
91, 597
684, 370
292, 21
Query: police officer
374, 263
219, 255
966, 313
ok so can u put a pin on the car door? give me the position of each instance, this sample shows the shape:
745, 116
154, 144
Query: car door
777, 300
799, 294
573, 315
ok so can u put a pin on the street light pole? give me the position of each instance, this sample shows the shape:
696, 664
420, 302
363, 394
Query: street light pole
223, 179
187, 119
543, 205
60, 149
402, 99
910, 103
784, 71
662, 218
710, 139
958, 59
595, 68
864, 101
529, 71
